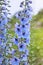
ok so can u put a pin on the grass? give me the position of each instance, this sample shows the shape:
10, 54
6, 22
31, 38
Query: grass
36, 45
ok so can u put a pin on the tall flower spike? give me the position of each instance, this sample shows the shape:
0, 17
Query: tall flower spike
22, 30
3, 31
14, 61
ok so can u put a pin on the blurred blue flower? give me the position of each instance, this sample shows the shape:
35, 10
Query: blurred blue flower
30, 2
5, 13
18, 14
22, 47
1, 23
24, 20
4, 31
25, 27
2, 36
27, 52
22, 3
27, 40
12, 51
5, 21
30, 9
3, 8
14, 61
18, 30
25, 63
15, 41
25, 34
1, 59
24, 57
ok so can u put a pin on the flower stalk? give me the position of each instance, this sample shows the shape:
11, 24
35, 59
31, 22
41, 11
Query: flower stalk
3, 31
22, 30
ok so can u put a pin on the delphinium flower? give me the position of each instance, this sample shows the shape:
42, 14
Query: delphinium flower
22, 47
3, 31
22, 30
1, 58
15, 41
14, 61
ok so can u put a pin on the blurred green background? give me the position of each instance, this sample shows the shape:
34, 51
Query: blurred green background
36, 43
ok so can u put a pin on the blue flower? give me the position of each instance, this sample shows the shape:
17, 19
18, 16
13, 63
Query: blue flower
2, 36
5, 13
23, 57
1, 23
22, 3
15, 41
1, 26
25, 63
27, 52
22, 47
1, 42
29, 17
14, 61
27, 3
12, 52
5, 21
25, 34
24, 20
28, 25
27, 11
1, 59
30, 9
30, 2
3, 8
27, 40
3, 30
18, 15
25, 28
18, 30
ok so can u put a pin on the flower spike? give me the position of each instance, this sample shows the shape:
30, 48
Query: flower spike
3, 32
22, 30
